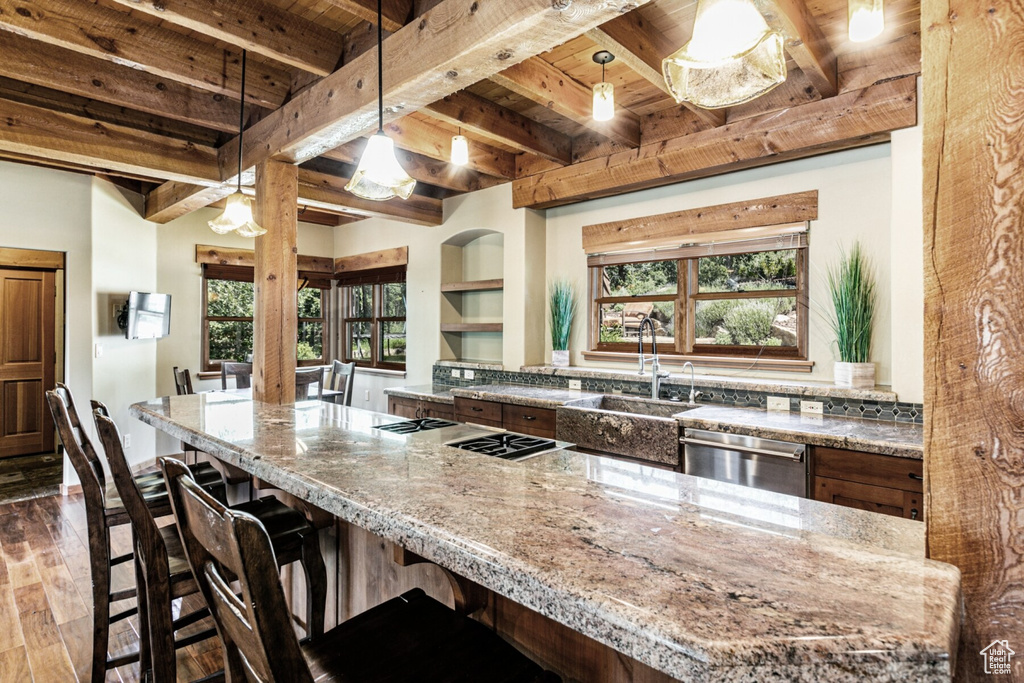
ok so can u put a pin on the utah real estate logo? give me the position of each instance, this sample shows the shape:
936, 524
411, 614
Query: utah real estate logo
997, 657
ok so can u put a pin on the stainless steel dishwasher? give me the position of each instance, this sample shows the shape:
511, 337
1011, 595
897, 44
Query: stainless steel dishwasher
747, 460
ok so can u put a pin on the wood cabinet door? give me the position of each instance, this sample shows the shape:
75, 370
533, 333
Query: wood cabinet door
403, 407
439, 411
851, 494
26, 361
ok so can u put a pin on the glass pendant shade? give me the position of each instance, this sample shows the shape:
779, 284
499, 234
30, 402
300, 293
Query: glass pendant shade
237, 216
733, 57
867, 19
604, 101
379, 176
460, 150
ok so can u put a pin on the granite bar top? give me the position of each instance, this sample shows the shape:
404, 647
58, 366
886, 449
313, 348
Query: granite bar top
523, 395
699, 579
422, 392
901, 439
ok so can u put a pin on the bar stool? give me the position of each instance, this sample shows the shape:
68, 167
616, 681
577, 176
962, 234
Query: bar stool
163, 572
104, 510
409, 638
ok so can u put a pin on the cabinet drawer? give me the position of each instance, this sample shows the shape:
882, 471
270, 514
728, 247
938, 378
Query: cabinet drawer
403, 407
525, 416
869, 468
440, 411
483, 412
850, 494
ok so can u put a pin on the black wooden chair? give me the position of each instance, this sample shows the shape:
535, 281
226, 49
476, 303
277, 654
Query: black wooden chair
409, 638
304, 379
183, 381
342, 377
242, 372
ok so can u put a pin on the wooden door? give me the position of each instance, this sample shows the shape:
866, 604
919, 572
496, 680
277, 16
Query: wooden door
26, 360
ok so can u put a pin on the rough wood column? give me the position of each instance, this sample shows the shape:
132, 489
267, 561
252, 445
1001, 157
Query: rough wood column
275, 318
974, 314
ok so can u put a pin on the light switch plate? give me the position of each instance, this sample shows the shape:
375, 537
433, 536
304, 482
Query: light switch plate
469, 374
455, 373
127, 441
812, 407
575, 384
98, 350
778, 403
366, 395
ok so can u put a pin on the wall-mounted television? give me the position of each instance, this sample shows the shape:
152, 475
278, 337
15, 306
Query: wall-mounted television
149, 316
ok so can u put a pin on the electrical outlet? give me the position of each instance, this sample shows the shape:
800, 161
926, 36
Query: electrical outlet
617, 392
99, 350
469, 374
127, 440
455, 373
812, 407
116, 310
779, 403
575, 384
366, 395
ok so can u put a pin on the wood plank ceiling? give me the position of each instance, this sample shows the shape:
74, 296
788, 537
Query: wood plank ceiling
147, 91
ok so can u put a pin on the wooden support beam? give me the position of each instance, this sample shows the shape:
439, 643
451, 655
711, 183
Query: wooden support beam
642, 47
327, 192
385, 258
255, 25
275, 317
235, 256
174, 199
92, 29
64, 137
805, 42
850, 120
395, 12
429, 140
973, 199
422, 168
538, 81
881, 63
59, 69
487, 119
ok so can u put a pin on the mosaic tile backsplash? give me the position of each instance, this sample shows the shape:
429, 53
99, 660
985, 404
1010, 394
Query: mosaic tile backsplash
897, 411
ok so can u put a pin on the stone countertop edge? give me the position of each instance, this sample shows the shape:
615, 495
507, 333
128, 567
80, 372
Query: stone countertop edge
898, 439
422, 392
525, 395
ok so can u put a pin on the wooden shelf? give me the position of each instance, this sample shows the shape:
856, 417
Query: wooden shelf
471, 327
473, 286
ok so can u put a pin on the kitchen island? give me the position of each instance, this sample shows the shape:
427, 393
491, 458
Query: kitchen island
693, 579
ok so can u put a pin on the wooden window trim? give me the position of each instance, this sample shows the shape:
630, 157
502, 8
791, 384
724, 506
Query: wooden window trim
376, 308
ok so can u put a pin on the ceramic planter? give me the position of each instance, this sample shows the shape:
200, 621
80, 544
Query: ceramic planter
560, 359
857, 375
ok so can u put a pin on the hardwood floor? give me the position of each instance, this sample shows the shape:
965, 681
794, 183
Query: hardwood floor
29, 476
46, 605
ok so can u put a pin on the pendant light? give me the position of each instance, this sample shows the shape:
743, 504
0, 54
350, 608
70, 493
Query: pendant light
379, 176
460, 149
732, 57
867, 19
604, 93
237, 216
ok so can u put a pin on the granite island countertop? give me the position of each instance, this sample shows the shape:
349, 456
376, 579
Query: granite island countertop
422, 392
525, 395
699, 579
900, 439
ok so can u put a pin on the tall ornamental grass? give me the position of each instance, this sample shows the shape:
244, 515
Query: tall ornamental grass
852, 286
562, 297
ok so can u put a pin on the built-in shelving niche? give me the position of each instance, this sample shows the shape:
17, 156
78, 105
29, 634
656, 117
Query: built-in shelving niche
472, 296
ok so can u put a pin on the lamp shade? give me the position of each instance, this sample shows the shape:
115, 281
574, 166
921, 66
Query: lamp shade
604, 101
733, 57
379, 176
460, 150
237, 217
867, 19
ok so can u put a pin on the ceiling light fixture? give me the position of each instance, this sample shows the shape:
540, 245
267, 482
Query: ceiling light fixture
867, 19
732, 57
460, 149
604, 93
379, 176
237, 216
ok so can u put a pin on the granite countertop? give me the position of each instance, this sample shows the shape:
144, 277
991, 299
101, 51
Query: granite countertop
523, 395
900, 439
423, 392
699, 579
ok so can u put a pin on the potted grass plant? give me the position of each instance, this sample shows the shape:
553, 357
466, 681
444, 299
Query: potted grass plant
851, 285
562, 299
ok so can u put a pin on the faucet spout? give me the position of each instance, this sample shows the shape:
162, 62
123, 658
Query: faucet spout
693, 394
656, 374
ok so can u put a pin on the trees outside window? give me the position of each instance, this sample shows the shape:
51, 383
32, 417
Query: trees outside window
374, 327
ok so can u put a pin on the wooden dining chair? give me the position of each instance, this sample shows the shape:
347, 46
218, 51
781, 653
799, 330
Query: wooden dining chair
242, 372
183, 381
233, 475
304, 379
342, 377
409, 638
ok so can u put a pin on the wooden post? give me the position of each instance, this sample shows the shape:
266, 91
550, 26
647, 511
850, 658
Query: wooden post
275, 319
974, 314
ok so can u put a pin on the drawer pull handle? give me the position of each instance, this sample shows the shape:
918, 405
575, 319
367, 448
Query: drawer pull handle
913, 513
476, 409
529, 417
916, 477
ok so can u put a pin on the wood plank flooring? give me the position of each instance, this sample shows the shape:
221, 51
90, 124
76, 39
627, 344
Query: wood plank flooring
46, 599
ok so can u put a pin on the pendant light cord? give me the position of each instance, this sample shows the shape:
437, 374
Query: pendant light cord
380, 68
241, 123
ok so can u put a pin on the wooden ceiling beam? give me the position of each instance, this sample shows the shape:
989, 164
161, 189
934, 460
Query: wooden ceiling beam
73, 168
849, 120
395, 13
422, 137
540, 82
487, 119
642, 47
175, 199
805, 42
327, 192
92, 29
422, 168
255, 25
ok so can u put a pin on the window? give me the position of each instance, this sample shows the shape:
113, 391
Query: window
374, 331
708, 301
228, 305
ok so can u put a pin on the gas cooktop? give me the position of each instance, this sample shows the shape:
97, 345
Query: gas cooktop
412, 426
506, 445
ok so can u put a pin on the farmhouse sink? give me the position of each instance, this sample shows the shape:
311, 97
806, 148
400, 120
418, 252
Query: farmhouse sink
640, 428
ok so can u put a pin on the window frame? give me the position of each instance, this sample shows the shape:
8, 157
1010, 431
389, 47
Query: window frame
686, 297
377, 317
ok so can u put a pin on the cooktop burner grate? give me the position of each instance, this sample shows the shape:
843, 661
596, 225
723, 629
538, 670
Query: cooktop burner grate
412, 426
505, 446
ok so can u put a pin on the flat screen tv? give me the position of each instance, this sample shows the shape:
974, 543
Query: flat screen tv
149, 315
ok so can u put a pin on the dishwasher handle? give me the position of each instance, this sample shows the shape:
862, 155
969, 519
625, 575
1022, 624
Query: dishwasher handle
797, 455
